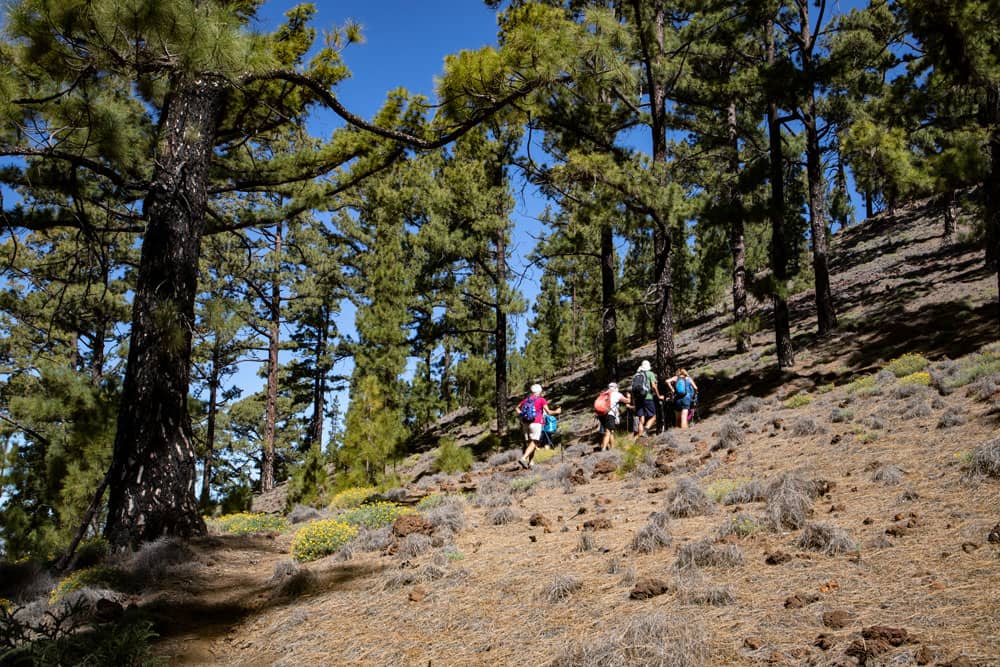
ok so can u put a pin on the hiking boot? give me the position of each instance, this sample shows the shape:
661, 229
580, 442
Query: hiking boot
523, 463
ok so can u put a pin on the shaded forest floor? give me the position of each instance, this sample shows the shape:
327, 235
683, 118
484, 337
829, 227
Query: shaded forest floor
892, 563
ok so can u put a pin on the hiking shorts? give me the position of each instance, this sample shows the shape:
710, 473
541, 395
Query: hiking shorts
683, 403
647, 408
532, 431
609, 421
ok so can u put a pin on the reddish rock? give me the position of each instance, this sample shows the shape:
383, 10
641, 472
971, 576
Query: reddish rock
837, 619
753, 643
648, 588
538, 519
417, 594
777, 558
823, 642
597, 524
799, 600
605, 467
408, 524
578, 477
892, 636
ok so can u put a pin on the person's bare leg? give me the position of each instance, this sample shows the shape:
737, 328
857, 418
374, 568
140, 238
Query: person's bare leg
684, 418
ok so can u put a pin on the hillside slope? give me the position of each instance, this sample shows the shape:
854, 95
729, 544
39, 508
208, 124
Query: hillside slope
826, 515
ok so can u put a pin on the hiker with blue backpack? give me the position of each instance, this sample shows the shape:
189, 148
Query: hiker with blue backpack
685, 393
532, 412
644, 388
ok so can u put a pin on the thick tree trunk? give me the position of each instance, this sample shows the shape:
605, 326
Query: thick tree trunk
779, 248
152, 471
609, 315
737, 236
273, 346
992, 187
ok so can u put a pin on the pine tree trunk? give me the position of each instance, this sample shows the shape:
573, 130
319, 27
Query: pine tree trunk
320, 370
992, 187
501, 332
152, 471
737, 236
213, 409
274, 342
826, 315
609, 319
779, 249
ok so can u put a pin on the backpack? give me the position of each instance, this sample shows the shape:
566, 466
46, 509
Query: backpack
602, 404
528, 409
551, 424
682, 388
640, 385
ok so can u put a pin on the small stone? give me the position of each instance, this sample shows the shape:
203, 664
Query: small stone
837, 619
823, 642
538, 519
753, 643
597, 524
777, 558
648, 587
417, 594
994, 536
969, 547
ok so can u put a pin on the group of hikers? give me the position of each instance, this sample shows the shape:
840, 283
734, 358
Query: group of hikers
538, 418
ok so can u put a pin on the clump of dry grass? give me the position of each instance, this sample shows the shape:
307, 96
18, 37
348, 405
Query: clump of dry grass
951, 419
789, 501
875, 423
826, 538
804, 426
750, 492
492, 500
740, 525
917, 408
715, 596
985, 460
731, 436
413, 545
747, 406
395, 495
449, 516
159, 558
294, 581
369, 539
562, 587
585, 543
687, 499
645, 640
501, 516
504, 457
890, 475
705, 554
410, 576
654, 535
985, 387
841, 415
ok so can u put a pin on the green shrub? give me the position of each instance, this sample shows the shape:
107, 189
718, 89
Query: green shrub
245, 523
798, 401
907, 364
825, 388
634, 454
721, 488
352, 497
453, 458
321, 538
374, 515
99, 577
542, 455
431, 501
976, 366
861, 384
524, 483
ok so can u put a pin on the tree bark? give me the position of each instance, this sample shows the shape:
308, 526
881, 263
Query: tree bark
152, 471
609, 315
992, 187
273, 345
319, 380
501, 329
779, 248
826, 316
213, 409
737, 236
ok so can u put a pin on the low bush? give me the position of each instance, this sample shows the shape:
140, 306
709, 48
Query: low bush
890, 475
841, 415
826, 538
352, 497
246, 523
907, 364
502, 516
523, 484
750, 492
705, 554
562, 586
373, 515
687, 500
731, 436
321, 538
644, 640
741, 525
452, 457
798, 401
984, 460
721, 488
634, 454
862, 385
100, 576
789, 502
653, 536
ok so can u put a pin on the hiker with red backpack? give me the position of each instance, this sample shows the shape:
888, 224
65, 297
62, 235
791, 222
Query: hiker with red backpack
606, 407
531, 412
685, 393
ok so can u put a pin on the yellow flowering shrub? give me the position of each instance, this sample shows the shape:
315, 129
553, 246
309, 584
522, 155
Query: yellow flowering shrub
861, 384
6, 605
907, 364
798, 400
374, 515
99, 577
321, 538
352, 497
245, 523
921, 378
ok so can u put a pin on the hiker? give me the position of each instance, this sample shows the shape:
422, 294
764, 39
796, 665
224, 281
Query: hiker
532, 411
611, 418
549, 429
644, 388
684, 391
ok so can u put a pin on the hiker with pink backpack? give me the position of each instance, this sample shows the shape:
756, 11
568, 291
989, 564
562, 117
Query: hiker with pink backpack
606, 407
